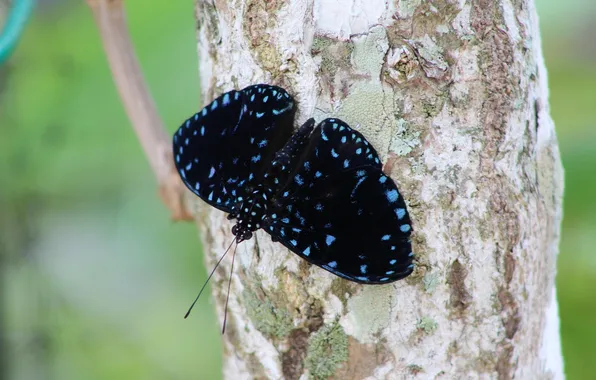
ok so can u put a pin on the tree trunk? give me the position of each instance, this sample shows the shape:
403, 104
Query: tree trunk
453, 95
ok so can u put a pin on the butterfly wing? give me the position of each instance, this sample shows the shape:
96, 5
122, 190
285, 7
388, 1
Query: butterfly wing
227, 145
341, 212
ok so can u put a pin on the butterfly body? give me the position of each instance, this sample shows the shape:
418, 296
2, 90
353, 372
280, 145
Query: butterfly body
320, 191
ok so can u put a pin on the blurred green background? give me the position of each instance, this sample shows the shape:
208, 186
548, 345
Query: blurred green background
95, 276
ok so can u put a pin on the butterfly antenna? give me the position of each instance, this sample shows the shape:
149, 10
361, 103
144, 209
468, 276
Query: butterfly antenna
223, 330
208, 278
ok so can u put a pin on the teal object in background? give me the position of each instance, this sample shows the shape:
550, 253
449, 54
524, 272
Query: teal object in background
13, 27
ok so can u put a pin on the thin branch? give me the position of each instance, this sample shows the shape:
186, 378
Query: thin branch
138, 103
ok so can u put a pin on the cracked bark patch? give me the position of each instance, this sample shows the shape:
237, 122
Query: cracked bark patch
292, 360
259, 22
460, 297
362, 360
503, 366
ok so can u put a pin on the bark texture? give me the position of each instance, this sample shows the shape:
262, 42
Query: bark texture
453, 95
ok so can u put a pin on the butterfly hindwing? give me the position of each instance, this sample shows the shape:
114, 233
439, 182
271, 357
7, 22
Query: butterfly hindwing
229, 143
341, 212
340, 147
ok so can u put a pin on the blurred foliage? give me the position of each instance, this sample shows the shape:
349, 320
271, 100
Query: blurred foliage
99, 278
96, 278
567, 30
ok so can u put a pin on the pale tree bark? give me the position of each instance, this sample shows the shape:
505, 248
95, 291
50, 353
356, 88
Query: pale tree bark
453, 94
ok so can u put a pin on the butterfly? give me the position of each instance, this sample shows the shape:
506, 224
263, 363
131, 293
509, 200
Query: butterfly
319, 191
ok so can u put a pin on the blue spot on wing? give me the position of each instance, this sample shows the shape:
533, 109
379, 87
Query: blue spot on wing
392, 195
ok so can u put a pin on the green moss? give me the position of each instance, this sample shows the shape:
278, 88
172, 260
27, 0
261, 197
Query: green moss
364, 95
272, 320
415, 369
268, 57
342, 289
319, 44
426, 324
327, 350
370, 50
260, 19
430, 109
405, 139
430, 281
334, 54
355, 110
370, 310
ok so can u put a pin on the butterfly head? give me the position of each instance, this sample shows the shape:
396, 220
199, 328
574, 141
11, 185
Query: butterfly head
241, 231
250, 214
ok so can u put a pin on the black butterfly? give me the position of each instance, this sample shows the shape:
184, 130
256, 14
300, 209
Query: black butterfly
320, 191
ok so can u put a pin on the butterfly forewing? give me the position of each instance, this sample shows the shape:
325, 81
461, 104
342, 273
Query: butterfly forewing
341, 212
228, 145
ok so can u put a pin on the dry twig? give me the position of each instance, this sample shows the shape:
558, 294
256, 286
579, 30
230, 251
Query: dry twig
138, 103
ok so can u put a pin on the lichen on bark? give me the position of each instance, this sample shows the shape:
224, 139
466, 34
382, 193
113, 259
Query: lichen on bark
270, 319
327, 350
